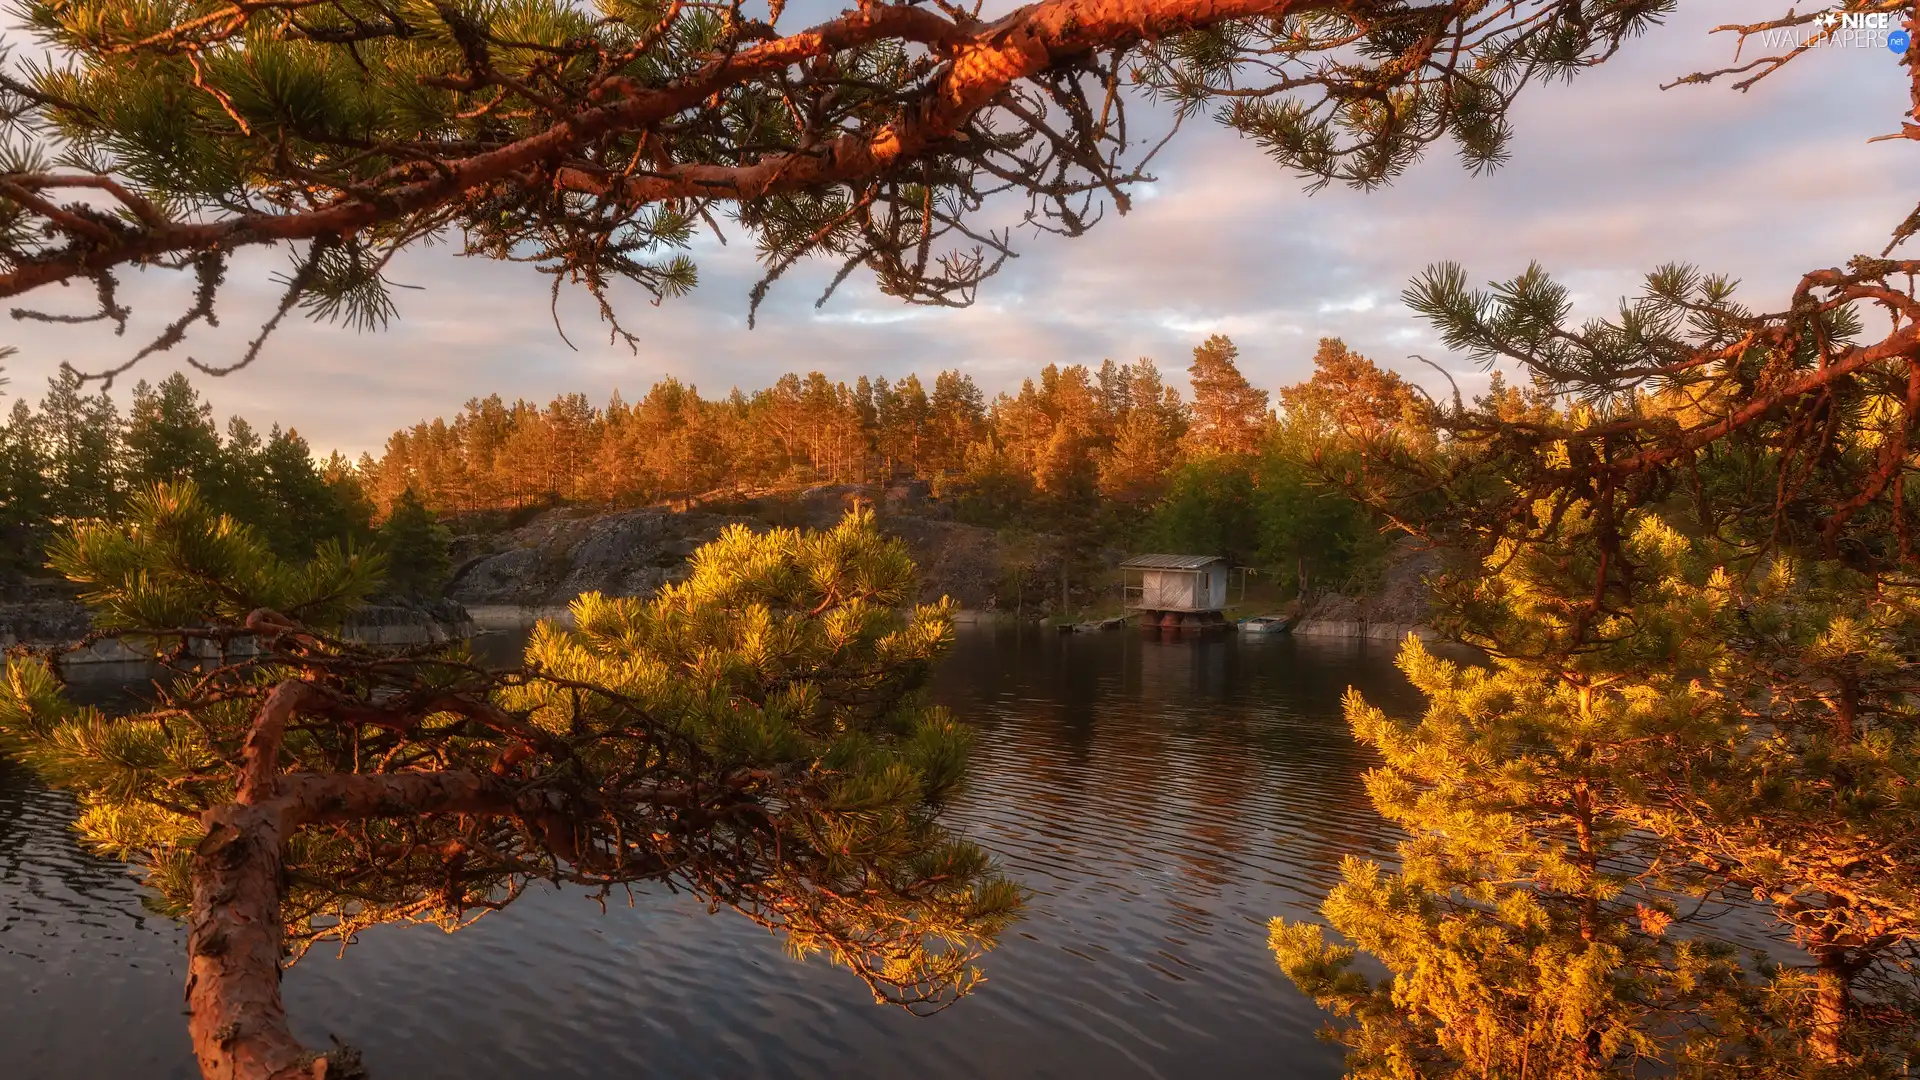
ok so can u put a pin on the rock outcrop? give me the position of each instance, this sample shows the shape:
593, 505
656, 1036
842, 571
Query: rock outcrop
562, 553
566, 552
1398, 603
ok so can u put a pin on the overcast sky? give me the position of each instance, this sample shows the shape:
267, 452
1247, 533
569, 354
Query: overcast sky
1611, 176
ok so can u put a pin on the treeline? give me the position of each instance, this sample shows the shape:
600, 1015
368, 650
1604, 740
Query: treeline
1090, 455
1096, 453
76, 457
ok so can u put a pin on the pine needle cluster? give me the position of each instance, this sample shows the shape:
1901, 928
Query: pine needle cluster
755, 735
1684, 552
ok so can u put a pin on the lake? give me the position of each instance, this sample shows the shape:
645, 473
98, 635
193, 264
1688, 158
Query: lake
1161, 799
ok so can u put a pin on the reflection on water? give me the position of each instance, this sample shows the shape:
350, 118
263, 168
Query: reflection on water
1162, 799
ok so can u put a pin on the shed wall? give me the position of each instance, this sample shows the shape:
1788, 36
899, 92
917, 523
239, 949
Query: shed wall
1216, 588
1168, 590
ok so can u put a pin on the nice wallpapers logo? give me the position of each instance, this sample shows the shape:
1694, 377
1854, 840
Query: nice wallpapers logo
1842, 30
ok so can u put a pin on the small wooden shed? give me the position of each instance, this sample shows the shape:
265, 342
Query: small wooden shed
1176, 583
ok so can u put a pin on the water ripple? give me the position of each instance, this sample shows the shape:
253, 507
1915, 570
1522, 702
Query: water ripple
1161, 800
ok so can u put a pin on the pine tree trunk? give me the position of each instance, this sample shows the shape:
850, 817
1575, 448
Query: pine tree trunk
235, 928
1832, 1002
1590, 1053
1845, 712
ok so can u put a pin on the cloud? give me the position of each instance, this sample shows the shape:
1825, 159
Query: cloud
1610, 177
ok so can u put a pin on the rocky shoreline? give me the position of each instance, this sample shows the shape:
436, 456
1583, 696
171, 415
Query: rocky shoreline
496, 618
51, 619
510, 579
1399, 602
1363, 629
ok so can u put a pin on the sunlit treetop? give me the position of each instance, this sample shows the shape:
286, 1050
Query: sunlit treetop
595, 140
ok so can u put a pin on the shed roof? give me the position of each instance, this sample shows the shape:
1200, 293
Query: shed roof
1171, 562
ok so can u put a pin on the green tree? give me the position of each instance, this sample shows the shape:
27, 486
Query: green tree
1208, 510
241, 470
26, 499
307, 508
418, 563
1794, 796
755, 735
346, 485
1308, 526
1531, 927
83, 437
171, 438
1698, 598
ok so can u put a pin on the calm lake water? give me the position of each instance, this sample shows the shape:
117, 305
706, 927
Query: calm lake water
1161, 799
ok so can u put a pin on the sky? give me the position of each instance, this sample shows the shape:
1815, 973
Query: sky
1610, 177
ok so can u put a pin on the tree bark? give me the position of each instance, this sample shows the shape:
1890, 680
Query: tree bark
983, 60
1832, 1004
235, 936
236, 1019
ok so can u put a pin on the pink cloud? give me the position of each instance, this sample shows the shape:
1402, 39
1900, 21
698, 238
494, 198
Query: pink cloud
1611, 176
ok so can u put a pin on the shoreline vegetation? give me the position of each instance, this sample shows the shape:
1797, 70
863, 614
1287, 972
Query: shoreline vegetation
1018, 507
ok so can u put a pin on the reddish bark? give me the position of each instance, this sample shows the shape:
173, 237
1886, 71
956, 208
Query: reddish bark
985, 59
235, 935
1903, 344
1832, 1005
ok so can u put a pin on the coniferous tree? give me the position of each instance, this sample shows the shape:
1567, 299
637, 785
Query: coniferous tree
415, 544
677, 445
899, 195
83, 436
997, 489
906, 415
1352, 398
754, 735
306, 507
1229, 414
1699, 577
241, 465
1083, 455
869, 399
960, 415
1149, 424
26, 502
346, 489
171, 438
1134, 472
574, 429
1531, 928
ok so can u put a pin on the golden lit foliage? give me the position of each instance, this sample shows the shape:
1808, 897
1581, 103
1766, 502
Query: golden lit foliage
755, 734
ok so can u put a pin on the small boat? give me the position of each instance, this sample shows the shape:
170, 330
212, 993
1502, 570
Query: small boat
1266, 624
